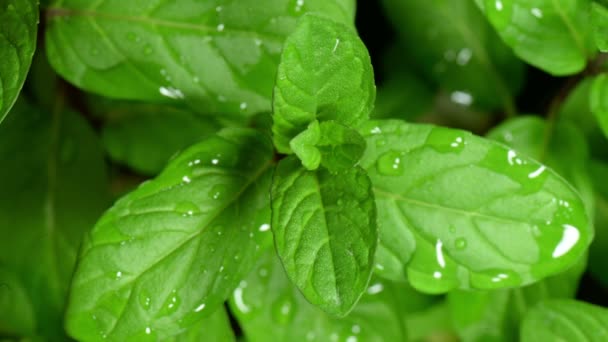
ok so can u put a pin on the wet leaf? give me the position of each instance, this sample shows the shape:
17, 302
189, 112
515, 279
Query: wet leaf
212, 328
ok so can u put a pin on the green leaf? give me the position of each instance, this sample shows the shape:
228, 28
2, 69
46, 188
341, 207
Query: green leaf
212, 328
325, 232
269, 308
325, 74
146, 136
559, 145
599, 102
451, 43
54, 186
217, 56
17, 313
18, 31
170, 252
330, 144
576, 110
565, 320
460, 211
599, 21
598, 250
554, 36
497, 315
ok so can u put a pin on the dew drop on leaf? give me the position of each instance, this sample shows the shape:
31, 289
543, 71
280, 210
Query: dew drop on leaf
187, 209
390, 164
460, 243
283, 309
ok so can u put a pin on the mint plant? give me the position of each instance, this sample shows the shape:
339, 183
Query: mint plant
228, 170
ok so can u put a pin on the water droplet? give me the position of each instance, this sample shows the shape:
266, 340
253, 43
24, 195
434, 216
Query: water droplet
464, 56
171, 92
445, 140
570, 237
144, 299
351, 339
460, 243
537, 12
171, 304
257, 41
375, 289
461, 98
494, 279
356, 329
217, 191
237, 295
263, 272
118, 275
186, 179
218, 9
390, 164
283, 309
187, 209
243, 106
196, 79
220, 27
148, 331
200, 308
498, 4
264, 227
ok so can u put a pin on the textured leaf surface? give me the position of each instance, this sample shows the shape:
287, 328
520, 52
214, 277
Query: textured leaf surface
330, 144
459, 211
552, 35
325, 232
565, 320
325, 74
451, 42
18, 30
219, 56
269, 308
171, 252
146, 136
54, 187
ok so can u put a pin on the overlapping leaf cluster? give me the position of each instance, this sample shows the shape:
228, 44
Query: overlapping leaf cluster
285, 191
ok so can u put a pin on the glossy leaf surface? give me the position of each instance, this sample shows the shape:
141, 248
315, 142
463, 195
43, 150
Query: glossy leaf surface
565, 320
325, 74
218, 56
146, 137
18, 31
269, 308
451, 43
330, 144
460, 211
170, 252
51, 195
554, 36
212, 328
325, 232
